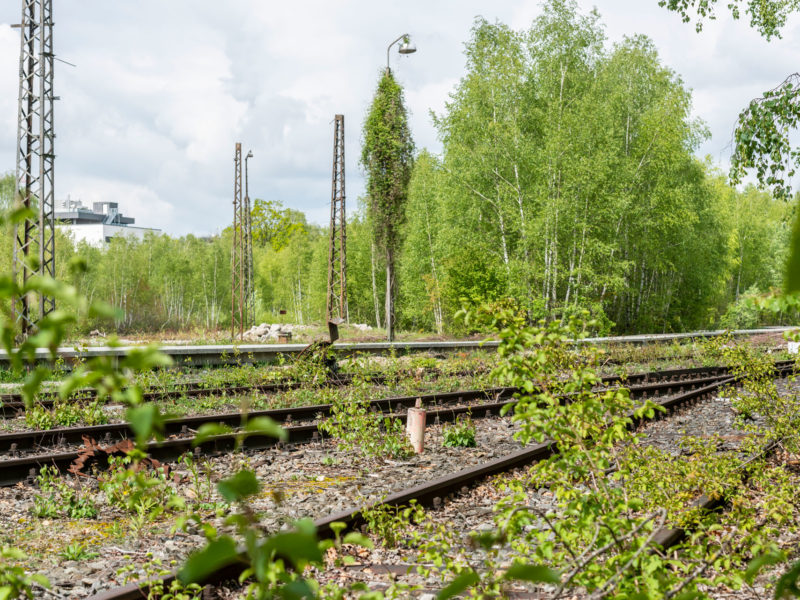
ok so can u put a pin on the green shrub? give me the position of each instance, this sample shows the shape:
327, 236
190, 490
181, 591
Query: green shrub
460, 434
57, 498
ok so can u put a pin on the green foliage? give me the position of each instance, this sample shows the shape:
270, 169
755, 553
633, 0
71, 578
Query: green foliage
201, 484
15, 581
767, 16
143, 493
759, 396
154, 569
762, 135
109, 378
387, 158
391, 523
274, 225
77, 551
357, 428
65, 413
275, 564
612, 493
744, 313
762, 138
56, 498
460, 434
567, 182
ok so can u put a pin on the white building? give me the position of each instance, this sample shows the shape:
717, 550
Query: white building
97, 225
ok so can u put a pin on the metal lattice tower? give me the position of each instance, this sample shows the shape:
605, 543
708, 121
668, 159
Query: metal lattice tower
35, 158
238, 309
247, 236
336, 305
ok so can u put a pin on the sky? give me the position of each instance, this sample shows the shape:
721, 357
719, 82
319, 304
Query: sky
162, 91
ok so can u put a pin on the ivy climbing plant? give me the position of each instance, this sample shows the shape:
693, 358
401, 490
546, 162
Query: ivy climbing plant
387, 159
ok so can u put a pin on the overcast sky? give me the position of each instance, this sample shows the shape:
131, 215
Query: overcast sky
163, 89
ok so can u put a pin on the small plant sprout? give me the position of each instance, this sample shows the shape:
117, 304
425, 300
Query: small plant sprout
460, 434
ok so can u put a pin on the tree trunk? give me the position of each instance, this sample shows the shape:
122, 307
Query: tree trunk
375, 288
389, 294
437, 303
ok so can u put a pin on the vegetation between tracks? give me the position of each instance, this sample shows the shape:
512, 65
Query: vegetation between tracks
614, 494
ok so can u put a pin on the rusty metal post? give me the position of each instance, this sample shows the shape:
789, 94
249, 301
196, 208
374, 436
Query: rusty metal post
237, 250
336, 310
35, 181
247, 236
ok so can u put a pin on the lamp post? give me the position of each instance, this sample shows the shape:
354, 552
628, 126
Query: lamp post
248, 248
405, 48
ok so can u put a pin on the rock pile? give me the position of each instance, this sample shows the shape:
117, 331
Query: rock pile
266, 332
270, 332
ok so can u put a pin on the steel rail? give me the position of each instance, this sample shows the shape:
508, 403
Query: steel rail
425, 494
12, 404
27, 440
242, 353
15, 470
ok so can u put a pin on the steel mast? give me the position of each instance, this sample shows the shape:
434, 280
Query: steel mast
336, 306
238, 275
34, 239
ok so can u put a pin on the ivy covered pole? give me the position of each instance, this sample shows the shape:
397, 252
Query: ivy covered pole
387, 157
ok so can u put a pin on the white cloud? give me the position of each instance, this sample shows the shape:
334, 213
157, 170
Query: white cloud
162, 90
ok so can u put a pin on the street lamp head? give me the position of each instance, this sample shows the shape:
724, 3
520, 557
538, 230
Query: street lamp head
407, 47
249, 154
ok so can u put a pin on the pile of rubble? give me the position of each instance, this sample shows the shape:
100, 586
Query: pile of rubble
271, 333
267, 333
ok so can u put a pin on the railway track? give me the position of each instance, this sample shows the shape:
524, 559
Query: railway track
12, 405
180, 432
27, 440
433, 492
267, 353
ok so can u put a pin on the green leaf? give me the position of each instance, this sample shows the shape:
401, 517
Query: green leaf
793, 265
358, 539
32, 384
19, 214
216, 555
787, 584
242, 484
759, 562
145, 359
299, 548
146, 421
306, 525
209, 430
105, 310
297, 590
459, 584
532, 573
265, 426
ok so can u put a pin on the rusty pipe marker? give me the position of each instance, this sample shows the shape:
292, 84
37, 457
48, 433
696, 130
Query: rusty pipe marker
415, 426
